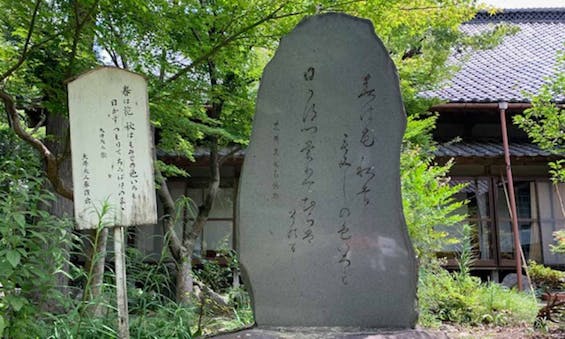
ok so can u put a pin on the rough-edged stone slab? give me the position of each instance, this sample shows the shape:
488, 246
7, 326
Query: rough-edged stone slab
322, 236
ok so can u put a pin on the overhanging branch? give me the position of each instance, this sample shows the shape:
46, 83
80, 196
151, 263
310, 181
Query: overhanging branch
206, 56
25, 49
51, 163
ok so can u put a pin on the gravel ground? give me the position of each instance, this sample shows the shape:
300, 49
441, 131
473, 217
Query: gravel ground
488, 332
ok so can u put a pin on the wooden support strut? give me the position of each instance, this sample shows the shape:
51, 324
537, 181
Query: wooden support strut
514, 216
121, 286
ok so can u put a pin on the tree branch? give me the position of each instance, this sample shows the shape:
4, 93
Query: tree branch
223, 43
79, 26
51, 164
225, 157
212, 192
25, 50
175, 244
162, 65
420, 8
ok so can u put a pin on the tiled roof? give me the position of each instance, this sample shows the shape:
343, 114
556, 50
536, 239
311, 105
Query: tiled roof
461, 149
521, 63
488, 149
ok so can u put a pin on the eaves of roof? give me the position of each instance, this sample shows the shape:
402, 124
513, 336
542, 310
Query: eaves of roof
488, 149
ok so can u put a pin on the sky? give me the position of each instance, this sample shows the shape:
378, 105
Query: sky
525, 3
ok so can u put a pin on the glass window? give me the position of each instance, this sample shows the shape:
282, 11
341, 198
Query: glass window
217, 235
540, 213
551, 218
528, 225
478, 209
223, 205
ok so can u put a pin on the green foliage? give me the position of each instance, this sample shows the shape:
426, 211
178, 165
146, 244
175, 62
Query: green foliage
427, 195
545, 120
169, 170
32, 242
149, 281
549, 282
546, 278
169, 320
559, 237
152, 309
203, 60
460, 298
217, 272
242, 318
464, 299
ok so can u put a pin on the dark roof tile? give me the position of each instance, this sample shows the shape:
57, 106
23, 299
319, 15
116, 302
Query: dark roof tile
487, 149
520, 64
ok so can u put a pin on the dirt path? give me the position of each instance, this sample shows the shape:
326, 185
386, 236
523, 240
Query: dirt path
487, 332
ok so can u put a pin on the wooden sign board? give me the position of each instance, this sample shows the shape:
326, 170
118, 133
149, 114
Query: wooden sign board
111, 147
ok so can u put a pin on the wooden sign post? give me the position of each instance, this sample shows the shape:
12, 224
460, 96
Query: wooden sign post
112, 159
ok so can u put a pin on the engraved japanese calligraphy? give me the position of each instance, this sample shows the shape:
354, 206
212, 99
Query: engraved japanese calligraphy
322, 237
110, 131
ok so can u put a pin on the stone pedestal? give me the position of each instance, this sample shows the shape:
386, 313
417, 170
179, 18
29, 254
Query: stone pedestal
331, 333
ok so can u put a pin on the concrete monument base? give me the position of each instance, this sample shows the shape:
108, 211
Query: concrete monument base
331, 333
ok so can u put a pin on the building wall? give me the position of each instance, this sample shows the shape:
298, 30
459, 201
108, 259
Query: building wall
218, 232
540, 213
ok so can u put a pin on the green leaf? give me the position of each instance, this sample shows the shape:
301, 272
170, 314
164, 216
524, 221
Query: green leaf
20, 220
13, 257
2, 325
16, 302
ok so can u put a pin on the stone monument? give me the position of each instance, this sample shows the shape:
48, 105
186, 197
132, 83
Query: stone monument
322, 237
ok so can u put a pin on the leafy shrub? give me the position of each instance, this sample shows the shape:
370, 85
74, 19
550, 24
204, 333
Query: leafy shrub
218, 275
464, 299
150, 282
241, 317
545, 278
169, 320
548, 281
559, 237
33, 243
153, 312
427, 196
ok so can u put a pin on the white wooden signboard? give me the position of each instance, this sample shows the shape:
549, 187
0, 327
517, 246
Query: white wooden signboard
111, 148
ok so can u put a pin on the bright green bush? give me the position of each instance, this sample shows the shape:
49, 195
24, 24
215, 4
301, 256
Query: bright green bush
559, 237
464, 299
153, 312
545, 278
427, 196
461, 298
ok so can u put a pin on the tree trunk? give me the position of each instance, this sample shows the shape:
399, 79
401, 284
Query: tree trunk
184, 287
56, 130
